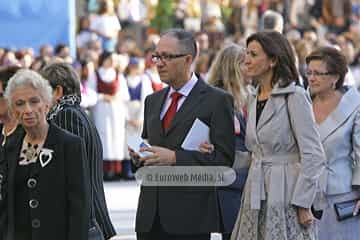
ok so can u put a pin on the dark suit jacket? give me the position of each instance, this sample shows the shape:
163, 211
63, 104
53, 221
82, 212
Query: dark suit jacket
187, 210
70, 116
4, 181
60, 187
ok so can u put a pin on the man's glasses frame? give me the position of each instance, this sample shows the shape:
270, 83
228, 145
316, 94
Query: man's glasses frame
166, 57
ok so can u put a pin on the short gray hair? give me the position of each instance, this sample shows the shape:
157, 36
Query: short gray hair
273, 21
186, 40
62, 74
26, 77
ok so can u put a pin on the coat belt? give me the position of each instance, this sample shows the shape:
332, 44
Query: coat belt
257, 184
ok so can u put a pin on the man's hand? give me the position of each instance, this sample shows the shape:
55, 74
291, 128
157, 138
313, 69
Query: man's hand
135, 158
206, 148
160, 157
305, 216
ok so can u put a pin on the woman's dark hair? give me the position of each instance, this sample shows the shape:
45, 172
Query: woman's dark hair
278, 48
59, 48
103, 7
6, 72
105, 55
335, 62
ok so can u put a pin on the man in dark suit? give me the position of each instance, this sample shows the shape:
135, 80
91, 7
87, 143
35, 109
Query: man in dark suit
182, 212
68, 114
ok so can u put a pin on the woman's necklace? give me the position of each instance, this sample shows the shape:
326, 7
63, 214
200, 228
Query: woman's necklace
32, 145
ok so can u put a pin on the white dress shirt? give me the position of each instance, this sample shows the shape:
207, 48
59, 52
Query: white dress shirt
185, 91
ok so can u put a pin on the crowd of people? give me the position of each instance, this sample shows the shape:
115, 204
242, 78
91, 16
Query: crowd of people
114, 50
277, 84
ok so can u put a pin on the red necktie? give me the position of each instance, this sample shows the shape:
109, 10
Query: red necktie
169, 115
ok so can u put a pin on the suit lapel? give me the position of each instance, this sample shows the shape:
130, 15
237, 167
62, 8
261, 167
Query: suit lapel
274, 103
196, 95
266, 114
49, 144
347, 105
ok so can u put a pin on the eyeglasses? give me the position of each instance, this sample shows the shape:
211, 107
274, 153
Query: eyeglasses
317, 74
165, 57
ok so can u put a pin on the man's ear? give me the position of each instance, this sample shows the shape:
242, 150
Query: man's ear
189, 59
58, 92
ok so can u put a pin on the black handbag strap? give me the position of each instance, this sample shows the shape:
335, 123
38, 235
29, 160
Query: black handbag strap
288, 113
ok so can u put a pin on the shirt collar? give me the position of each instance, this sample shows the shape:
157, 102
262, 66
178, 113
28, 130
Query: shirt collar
186, 89
277, 90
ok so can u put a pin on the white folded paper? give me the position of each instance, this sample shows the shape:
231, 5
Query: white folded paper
198, 133
135, 143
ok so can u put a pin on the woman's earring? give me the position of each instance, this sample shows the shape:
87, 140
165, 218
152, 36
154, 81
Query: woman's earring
334, 85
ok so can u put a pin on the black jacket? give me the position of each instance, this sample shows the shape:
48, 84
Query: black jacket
4, 144
60, 188
68, 115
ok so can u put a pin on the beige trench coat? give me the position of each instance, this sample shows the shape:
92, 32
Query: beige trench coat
286, 151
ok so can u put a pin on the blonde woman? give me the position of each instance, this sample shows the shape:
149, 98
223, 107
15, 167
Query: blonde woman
226, 73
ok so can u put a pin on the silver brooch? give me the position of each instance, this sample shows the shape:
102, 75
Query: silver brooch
45, 156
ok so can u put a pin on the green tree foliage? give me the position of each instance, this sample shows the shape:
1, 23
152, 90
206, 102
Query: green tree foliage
164, 18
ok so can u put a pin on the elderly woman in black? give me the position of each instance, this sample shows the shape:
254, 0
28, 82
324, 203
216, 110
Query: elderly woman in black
47, 189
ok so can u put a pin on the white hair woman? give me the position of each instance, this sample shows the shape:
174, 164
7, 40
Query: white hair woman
47, 190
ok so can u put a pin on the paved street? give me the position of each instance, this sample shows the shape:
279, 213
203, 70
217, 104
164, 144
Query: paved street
121, 197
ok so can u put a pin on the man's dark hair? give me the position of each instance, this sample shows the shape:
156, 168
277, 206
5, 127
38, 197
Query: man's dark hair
59, 48
6, 73
64, 75
186, 40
